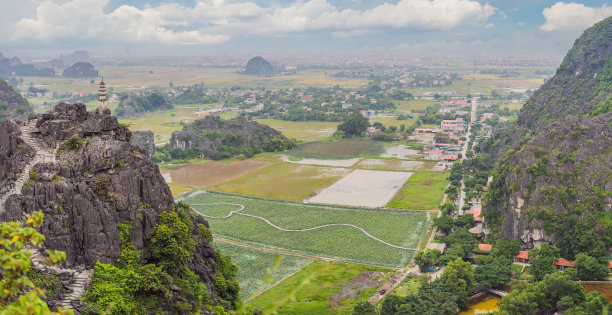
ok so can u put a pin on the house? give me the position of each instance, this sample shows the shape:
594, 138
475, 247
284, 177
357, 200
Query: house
486, 116
522, 257
449, 158
371, 130
562, 264
433, 154
485, 247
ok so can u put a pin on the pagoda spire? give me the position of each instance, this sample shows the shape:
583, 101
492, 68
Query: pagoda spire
102, 95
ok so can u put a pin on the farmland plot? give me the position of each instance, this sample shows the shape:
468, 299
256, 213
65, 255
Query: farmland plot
363, 188
329, 234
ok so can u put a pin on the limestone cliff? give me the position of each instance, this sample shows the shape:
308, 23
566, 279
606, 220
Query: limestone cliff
80, 169
554, 181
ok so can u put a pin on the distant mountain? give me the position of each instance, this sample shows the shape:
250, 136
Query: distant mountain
12, 104
132, 105
76, 56
10, 67
554, 172
80, 70
258, 66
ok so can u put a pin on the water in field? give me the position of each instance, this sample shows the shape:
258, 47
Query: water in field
482, 305
603, 287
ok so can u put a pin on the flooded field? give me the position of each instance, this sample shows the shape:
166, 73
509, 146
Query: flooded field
210, 173
603, 287
482, 305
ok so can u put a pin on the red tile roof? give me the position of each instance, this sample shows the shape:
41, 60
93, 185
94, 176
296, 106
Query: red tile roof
476, 213
564, 262
449, 157
522, 254
485, 247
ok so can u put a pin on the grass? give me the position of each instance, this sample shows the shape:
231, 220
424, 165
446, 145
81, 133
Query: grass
302, 130
283, 181
321, 288
404, 107
392, 121
259, 270
423, 190
179, 189
402, 228
409, 286
342, 149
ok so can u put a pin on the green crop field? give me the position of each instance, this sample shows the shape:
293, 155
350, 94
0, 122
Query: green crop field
259, 270
322, 288
343, 243
302, 130
340, 149
404, 107
423, 190
283, 181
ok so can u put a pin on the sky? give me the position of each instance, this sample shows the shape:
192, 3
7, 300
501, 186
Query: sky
192, 27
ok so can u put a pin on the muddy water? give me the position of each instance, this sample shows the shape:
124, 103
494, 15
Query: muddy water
482, 305
603, 287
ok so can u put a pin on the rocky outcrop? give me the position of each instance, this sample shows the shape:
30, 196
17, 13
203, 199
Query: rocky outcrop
80, 70
12, 105
258, 66
80, 169
145, 140
214, 137
553, 177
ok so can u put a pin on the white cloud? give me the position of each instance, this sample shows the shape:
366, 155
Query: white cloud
573, 16
216, 21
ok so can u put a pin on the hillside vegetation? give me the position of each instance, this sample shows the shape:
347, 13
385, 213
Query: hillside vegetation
553, 178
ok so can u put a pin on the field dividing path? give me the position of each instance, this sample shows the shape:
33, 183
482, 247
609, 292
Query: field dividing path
237, 212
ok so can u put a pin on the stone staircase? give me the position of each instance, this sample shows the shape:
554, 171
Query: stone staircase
40, 156
79, 279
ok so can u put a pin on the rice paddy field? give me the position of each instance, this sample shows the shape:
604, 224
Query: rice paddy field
210, 173
283, 181
423, 190
302, 130
259, 270
339, 149
322, 288
342, 243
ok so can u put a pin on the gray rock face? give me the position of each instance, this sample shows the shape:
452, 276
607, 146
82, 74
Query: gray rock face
145, 140
86, 192
12, 105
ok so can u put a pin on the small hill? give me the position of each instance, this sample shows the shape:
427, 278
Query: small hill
12, 104
80, 70
258, 66
215, 138
10, 67
131, 105
553, 177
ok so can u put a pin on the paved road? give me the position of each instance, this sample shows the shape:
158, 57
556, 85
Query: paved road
473, 118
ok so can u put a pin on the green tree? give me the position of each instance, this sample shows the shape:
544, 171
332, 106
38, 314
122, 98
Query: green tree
18, 295
594, 304
448, 207
444, 224
590, 268
466, 220
354, 125
505, 247
364, 308
494, 274
541, 261
459, 275
427, 259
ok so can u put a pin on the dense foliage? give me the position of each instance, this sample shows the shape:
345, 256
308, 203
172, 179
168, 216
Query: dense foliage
18, 294
164, 284
443, 296
354, 125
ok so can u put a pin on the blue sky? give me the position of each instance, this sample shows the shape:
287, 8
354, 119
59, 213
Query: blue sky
419, 27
